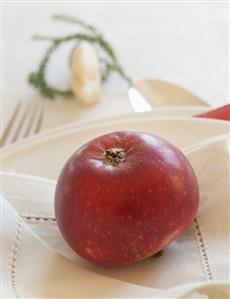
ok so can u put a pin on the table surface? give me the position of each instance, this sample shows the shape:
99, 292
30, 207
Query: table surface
184, 43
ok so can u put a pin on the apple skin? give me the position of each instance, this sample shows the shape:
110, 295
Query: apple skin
118, 214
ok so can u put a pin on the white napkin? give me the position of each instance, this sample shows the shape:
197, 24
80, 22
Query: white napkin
32, 266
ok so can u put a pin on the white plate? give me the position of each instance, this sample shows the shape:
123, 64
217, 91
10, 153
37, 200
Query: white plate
159, 112
45, 154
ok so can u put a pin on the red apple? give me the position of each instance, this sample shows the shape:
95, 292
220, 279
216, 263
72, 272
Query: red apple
124, 196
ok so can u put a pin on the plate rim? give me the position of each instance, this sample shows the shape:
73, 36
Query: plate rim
72, 128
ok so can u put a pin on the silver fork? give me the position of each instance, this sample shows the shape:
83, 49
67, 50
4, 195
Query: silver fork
26, 120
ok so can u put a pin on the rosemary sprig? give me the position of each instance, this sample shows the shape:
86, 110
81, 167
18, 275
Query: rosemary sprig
110, 64
76, 21
91, 29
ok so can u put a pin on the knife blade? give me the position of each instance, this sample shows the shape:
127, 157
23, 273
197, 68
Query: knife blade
137, 101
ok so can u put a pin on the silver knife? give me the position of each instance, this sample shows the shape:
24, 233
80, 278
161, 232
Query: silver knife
138, 101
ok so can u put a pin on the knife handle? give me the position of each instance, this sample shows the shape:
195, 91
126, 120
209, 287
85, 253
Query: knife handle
222, 113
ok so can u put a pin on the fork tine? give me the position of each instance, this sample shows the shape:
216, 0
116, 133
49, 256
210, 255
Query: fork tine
20, 125
39, 123
30, 122
9, 125
26, 120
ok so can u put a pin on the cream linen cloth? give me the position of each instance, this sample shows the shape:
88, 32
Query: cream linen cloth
37, 263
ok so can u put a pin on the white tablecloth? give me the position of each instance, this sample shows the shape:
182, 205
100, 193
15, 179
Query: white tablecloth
184, 43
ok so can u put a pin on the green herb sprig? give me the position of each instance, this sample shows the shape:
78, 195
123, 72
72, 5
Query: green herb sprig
109, 64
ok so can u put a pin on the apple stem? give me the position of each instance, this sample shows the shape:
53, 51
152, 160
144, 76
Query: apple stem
159, 253
113, 156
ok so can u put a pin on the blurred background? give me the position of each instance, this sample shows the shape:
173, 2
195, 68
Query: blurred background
183, 43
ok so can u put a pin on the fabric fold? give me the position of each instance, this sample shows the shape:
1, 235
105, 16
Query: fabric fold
38, 263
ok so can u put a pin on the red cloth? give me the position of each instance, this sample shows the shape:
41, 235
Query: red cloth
222, 113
